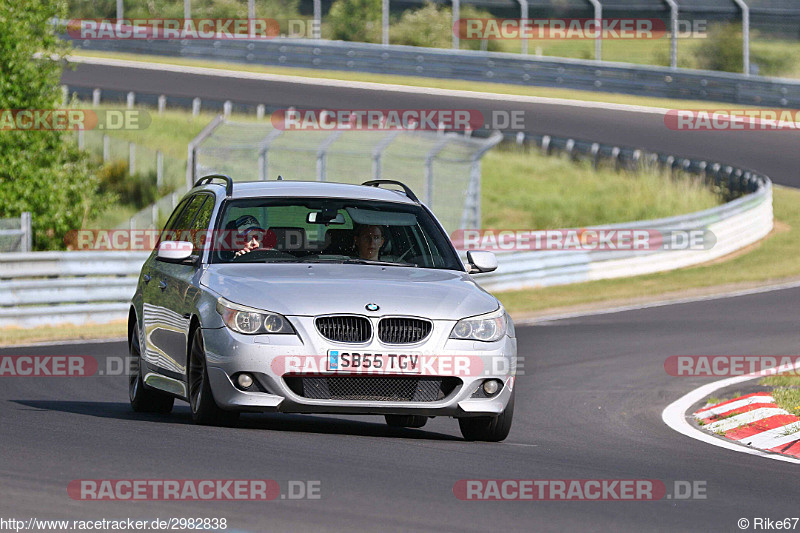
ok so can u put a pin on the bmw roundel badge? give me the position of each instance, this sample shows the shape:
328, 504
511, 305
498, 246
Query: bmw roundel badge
372, 307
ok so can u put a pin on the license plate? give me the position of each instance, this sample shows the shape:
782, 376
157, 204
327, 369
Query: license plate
374, 363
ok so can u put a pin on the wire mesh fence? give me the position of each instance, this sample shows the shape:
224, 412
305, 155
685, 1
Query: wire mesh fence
442, 168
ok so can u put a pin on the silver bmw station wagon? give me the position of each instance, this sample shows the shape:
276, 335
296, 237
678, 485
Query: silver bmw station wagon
309, 297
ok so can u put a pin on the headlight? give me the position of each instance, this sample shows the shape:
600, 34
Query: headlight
487, 328
250, 321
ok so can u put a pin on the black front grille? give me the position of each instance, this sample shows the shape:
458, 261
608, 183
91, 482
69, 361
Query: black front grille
403, 330
345, 328
377, 389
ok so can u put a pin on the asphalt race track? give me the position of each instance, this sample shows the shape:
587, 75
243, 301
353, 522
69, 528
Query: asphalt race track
773, 153
589, 403
588, 407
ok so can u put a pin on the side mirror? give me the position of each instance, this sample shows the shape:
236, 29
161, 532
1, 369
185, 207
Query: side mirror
175, 251
481, 262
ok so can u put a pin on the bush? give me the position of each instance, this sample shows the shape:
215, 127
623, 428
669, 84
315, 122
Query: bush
722, 49
39, 171
354, 20
432, 26
139, 190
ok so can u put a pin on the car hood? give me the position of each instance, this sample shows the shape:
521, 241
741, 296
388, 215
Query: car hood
318, 289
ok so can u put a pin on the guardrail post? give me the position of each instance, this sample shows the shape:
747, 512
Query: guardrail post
195, 107
570, 148
131, 159
523, 6
131, 99
96, 97
317, 18
260, 111
159, 169
595, 155
226, 108
456, 15
745, 35
385, 22
546, 144
615, 156
598, 18
26, 244
673, 22
162, 104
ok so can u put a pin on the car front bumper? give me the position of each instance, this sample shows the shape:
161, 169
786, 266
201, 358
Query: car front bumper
229, 353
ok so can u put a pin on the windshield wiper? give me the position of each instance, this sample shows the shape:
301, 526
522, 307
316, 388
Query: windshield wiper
379, 263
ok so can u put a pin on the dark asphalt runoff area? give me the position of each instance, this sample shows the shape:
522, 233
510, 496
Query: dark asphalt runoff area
588, 407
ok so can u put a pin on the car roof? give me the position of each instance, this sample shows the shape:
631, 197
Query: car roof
310, 189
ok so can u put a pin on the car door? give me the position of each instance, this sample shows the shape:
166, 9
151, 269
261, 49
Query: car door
168, 321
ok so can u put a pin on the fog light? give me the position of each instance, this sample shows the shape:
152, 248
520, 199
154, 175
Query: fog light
245, 381
491, 386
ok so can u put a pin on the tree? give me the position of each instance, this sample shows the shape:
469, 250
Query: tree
355, 20
40, 171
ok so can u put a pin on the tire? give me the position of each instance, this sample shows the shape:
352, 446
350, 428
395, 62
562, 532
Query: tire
143, 399
488, 428
205, 410
406, 421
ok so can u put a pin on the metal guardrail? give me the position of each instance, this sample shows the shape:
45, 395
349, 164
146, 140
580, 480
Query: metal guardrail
83, 287
494, 67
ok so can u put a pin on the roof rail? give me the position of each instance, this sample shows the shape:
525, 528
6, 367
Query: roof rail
210, 177
406, 189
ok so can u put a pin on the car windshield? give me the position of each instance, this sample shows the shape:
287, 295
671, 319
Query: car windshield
328, 230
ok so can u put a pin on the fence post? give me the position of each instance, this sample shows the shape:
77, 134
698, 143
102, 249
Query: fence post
456, 15
64, 95
131, 159
26, 244
322, 153
96, 97
317, 18
159, 169
260, 111
162, 104
263, 154
106, 148
429, 157
195, 107
131, 99
385, 22
80, 139
226, 108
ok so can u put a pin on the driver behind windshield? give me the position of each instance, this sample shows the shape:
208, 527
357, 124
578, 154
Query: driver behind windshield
250, 232
368, 241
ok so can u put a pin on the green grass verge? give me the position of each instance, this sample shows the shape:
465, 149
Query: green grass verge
67, 332
772, 259
786, 391
414, 81
529, 190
